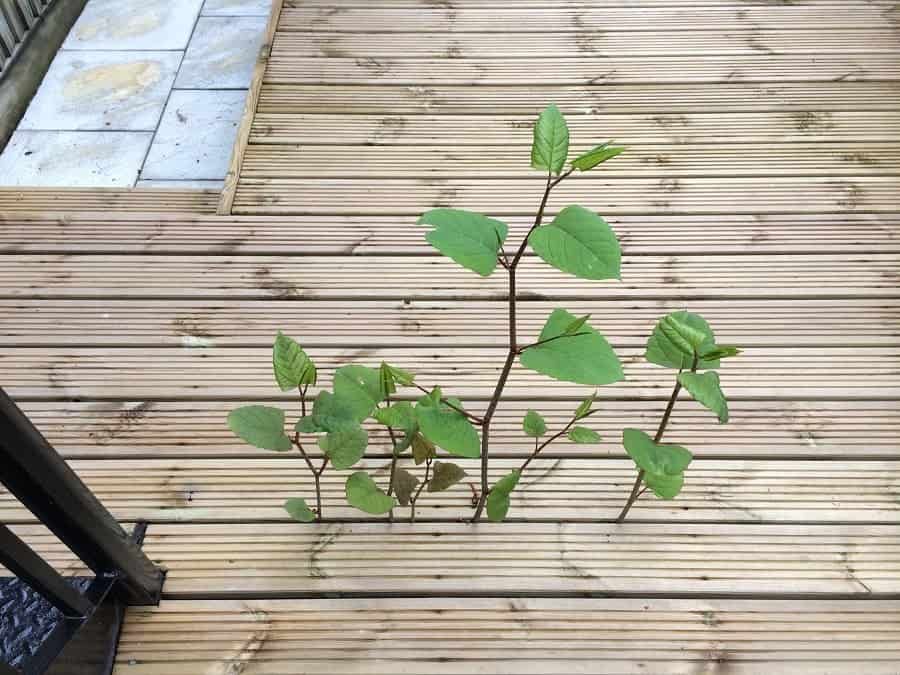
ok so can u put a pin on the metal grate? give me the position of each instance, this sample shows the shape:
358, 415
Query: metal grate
16, 18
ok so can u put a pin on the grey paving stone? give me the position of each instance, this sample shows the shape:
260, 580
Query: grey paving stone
114, 90
134, 24
237, 8
222, 53
184, 184
195, 137
73, 158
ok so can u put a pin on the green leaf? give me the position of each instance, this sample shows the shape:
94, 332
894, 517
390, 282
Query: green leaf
664, 486
445, 475
390, 377
331, 413
404, 485
261, 426
550, 146
359, 388
399, 416
469, 238
448, 428
344, 447
579, 242
534, 425
422, 449
298, 510
596, 156
585, 406
574, 327
363, 494
584, 359
706, 390
676, 337
720, 352
583, 435
656, 458
498, 497
307, 425
292, 367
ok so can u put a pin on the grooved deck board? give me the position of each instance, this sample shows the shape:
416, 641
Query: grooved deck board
498, 19
761, 188
108, 199
648, 233
583, 70
573, 489
544, 558
289, 46
315, 278
558, 636
662, 100
469, 373
780, 429
631, 129
428, 323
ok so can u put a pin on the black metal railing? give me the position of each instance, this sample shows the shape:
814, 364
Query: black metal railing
17, 17
83, 640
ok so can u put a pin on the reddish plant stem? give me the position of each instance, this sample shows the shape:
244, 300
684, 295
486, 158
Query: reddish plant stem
660, 430
415, 498
513, 348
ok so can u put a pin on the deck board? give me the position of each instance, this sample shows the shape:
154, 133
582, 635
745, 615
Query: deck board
760, 189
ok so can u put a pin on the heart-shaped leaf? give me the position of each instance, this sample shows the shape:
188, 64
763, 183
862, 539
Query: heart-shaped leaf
261, 426
422, 449
664, 486
363, 494
583, 435
579, 242
404, 485
534, 425
677, 337
448, 428
498, 497
344, 447
596, 156
445, 475
469, 238
707, 391
550, 146
298, 510
358, 387
292, 367
655, 458
329, 413
584, 359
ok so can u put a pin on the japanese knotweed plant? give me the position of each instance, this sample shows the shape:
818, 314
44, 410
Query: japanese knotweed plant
577, 242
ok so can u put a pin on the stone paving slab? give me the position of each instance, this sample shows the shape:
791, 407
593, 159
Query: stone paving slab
134, 24
237, 8
196, 135
222, 53
73, 158
103, 90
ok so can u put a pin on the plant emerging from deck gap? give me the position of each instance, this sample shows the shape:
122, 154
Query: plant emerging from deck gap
578, 242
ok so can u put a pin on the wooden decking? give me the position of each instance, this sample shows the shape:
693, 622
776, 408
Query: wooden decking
761, 189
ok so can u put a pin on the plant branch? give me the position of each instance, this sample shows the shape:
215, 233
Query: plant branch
543, 445
415, 498
316, 473
660, 430
513, 345
550, 339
